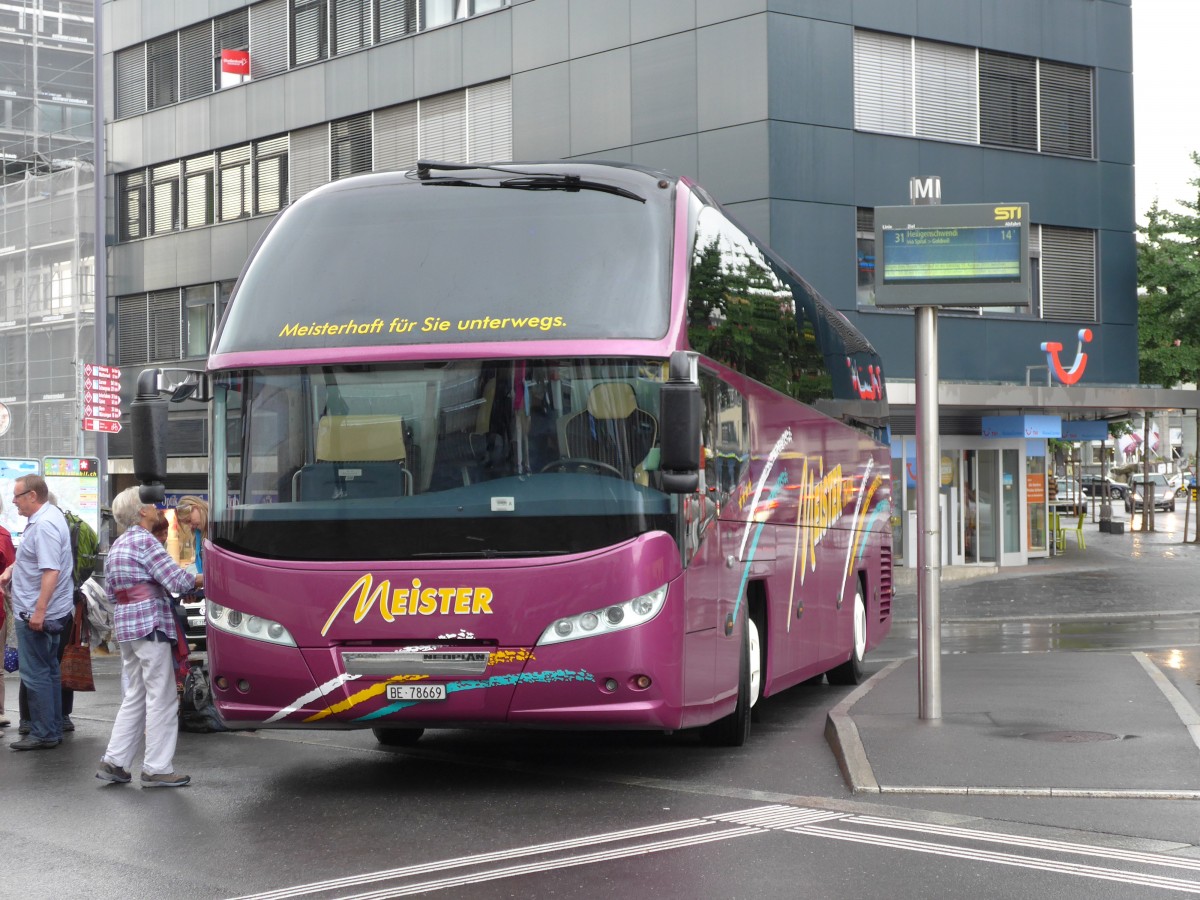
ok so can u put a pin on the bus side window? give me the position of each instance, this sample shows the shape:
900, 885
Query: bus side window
725, 437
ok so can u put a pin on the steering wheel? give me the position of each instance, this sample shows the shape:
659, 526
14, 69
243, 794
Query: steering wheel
581, 464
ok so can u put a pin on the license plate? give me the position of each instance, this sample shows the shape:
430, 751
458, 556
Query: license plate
416, 692
195, 621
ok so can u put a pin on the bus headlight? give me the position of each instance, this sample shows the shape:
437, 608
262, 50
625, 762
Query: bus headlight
617, 617
254, 627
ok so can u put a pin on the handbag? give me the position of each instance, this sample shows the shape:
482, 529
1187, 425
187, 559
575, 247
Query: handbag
76, 664
10, 659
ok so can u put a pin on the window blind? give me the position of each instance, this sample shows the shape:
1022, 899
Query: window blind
442, 127
231, 32
1068, 274
1066, 109
309, 160
132, 331
394, 18
268, 38
350, 146
947, 95
1007, 100
310, 31
196, 61
883, 88
198, 191
396, 137
270, 174
162, 71
165, 325
233, 182
351, 25
130, 81
489, 122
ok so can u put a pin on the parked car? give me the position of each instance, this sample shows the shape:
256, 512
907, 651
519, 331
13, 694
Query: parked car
1093, 486
1068, 492
1157, 489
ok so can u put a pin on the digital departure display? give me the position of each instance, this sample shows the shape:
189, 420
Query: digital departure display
966, 255
951, 255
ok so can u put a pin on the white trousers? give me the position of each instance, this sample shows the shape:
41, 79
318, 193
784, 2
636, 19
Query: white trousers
150, 706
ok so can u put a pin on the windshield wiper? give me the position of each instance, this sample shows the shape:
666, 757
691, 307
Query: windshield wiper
524, 181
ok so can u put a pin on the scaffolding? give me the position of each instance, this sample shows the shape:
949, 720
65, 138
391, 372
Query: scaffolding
47, 310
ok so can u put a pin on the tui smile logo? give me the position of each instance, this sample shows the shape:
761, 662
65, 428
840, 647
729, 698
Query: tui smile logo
1073, 374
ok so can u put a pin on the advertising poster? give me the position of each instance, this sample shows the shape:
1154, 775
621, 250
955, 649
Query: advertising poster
10, 471
75, 483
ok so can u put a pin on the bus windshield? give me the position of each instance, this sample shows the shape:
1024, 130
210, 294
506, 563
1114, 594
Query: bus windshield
465, 459
420, 263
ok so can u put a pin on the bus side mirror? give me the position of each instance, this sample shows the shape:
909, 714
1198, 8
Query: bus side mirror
679, 426
148, 427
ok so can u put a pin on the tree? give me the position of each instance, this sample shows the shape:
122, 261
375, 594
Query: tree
1168, 262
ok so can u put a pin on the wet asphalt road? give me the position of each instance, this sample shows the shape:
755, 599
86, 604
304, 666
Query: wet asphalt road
508, 814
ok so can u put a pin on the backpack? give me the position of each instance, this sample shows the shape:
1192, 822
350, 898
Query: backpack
84, 546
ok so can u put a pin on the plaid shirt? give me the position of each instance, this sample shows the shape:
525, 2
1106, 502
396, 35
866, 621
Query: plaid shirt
136, 557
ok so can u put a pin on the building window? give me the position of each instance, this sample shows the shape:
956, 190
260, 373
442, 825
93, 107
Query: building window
864, 235
270, 175
351, 25
269, 34
1008, 100
1066, 109
233, 183
442, 127
310, 31
1068, 274
164, 198
162, 71
130, 81
198, 191
196, 61
199, 305
930, 89
394, 18
231, 32
131, 194
350, 146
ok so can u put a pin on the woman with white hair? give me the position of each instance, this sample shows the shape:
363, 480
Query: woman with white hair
140, 576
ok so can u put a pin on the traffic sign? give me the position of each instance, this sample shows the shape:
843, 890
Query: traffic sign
90, 369
101, 384
108, 426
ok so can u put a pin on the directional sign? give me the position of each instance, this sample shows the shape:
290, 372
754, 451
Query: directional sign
102, 397
101, 411
90, 369
108, 426
101, 384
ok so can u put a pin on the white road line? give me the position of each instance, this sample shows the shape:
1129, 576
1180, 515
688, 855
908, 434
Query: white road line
1006, 859
473, 860
1184, 709
552, 864
1154, 859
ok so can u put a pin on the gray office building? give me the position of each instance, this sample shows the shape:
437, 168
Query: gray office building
801, 116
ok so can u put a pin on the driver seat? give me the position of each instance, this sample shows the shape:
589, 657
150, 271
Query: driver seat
613, 430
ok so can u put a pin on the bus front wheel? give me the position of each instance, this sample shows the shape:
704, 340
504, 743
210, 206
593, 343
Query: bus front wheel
851, 671
734, 729
397, 737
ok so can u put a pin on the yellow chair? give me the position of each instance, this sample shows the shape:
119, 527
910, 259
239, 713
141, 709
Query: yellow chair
1060, 533
1079, 532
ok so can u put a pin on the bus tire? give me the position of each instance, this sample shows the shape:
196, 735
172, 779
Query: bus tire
851, 671
397, 737
734, 729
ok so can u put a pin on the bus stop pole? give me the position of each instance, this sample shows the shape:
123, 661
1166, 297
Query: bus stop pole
929, 549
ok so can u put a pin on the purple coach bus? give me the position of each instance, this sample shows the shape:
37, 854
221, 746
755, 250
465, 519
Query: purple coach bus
548, 445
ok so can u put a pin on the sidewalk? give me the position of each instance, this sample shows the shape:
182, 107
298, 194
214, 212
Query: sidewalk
1049, 724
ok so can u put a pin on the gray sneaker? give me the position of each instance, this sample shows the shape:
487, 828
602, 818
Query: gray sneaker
169, 779
114, 774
